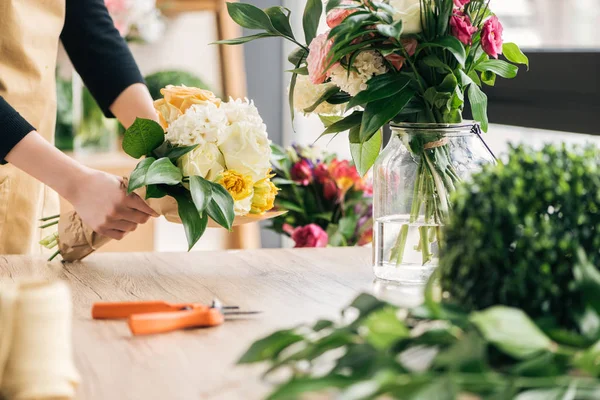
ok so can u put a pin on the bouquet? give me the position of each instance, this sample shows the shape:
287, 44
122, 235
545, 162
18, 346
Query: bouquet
328, 202
207, 160
393, 61
136, 20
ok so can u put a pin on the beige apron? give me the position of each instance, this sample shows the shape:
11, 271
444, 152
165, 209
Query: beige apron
29, 36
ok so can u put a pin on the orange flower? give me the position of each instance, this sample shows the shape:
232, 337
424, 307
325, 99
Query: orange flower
177, 99
344, 174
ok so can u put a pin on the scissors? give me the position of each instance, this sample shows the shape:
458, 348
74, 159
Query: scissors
150, 317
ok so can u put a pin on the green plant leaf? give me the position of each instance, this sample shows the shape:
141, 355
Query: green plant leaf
280, 19
488, 77
137, 179
220, 207
299, 71
162, 171
155, 192
439, 389
193, 224
292, 389
331, 4
245, 39
548, 394
177, 152
288, 205
364, 154
329, 120
384, 328
511, 330
452, 44
379, 87
393, 30
323, 98
380, 112
142, 137
249, 16
588, 280
268, 348
499, 67
311, 18
589, 360
367, 304
298, 56
345, 124
201, 191
513, 53
434, 61
478, 101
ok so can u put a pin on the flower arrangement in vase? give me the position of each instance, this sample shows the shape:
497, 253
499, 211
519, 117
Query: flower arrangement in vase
414, 64
328, 202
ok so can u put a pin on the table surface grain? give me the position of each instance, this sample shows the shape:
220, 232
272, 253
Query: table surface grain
289, 286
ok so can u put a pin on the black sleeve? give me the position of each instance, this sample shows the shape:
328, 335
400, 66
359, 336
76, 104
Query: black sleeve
13, 128
98, 52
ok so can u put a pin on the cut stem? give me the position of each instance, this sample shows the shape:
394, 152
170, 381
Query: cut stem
49, 224
50, 217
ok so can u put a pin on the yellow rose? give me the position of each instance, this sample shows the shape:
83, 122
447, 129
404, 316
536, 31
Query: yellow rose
264, 196
239, 186
177, 99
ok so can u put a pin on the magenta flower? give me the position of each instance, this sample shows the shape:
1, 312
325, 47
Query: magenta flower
461, 27
311, 235
461, 3
491, 37
302, 173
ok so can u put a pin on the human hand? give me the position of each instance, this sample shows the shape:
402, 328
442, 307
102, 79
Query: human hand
103, 204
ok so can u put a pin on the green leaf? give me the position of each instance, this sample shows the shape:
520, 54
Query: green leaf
393, 30
453, 45
380, 87
329, 120
511, 330
311, 18
288, 205
328, 93
364, 154
280, 20
434, 61
298, 56
220, 208
367, 304
384, 328
322, 324
513, 53
478, 101
155, 192
249, 16
297, 386
380, 112
587, 277
547, 394
162, 171
345, 124
488, 77
589, 360
177, 152
142, 137
201, 191
268, 348
439, 389
299, 71
137, 179
331, 4
499, 67
193, 224
347, 226
245, 39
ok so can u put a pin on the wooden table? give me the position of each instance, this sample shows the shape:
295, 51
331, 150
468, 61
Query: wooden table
289, 286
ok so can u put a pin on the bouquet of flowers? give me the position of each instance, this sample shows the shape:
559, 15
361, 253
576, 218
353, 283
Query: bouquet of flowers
328, 202
393, 61
207, 161
137, 20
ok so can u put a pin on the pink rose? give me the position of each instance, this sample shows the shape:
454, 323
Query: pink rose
337, 15
319, 58
491, 37
302, 173
410, 45
461, 27
311, 235
461, 3
330, 190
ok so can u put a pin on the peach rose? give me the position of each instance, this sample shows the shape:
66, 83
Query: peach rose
318, 58
177, 99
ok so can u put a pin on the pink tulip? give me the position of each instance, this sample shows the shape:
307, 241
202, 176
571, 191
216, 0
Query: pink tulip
319, 58
491, 37
461, 27
311, 235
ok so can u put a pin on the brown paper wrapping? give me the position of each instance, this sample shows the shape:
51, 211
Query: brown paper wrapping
77, 241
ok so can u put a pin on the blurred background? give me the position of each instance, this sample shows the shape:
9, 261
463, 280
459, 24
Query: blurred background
558, 100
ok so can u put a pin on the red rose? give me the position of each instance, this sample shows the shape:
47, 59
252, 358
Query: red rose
461, 27
491, 37
302, 173
310, 236
321, 173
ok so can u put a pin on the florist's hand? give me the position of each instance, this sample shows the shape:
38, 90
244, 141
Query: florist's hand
103, 205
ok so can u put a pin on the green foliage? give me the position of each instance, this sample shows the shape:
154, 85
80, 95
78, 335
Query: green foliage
161, 79
143, 137
516, 234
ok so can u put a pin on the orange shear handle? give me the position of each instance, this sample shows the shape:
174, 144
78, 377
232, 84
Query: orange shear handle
146, 324
126, 309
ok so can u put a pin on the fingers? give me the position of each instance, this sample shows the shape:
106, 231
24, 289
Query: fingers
122, 225
113, 233
132, 215
134, 201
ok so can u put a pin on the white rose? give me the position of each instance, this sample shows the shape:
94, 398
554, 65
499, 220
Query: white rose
200, 123
409, 11
246, 149
243, 207
205, 160
241, 111
307, 93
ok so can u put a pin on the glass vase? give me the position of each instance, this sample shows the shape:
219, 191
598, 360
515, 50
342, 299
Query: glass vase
94, 133
413, 179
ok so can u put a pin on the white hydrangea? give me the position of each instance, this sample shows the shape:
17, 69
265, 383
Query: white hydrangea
306, 94
366, 65
241, 111
200, 123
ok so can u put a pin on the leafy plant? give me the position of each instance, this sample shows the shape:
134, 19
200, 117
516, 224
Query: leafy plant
515, 231
159, 174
